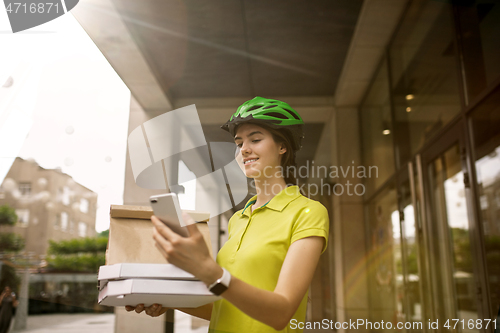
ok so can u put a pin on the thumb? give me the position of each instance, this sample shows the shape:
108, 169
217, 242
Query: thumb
193, 230
187, 218
190, 224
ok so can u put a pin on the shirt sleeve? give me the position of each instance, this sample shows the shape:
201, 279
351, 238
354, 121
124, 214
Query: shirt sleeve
313, 220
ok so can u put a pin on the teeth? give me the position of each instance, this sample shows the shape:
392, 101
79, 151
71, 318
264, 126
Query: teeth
255, 159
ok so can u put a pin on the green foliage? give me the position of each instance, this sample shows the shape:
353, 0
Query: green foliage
462, 250
105, 233
492, 243
8, 215
83, 262
77, 255
492, 246
9, 278
11, 242
412, 259
79, 245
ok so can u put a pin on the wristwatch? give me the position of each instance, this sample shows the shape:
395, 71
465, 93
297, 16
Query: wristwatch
221, 285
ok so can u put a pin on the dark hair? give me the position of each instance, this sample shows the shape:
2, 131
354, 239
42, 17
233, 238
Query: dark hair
288, 163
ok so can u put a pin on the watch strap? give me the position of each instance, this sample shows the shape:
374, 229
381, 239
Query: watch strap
221, 285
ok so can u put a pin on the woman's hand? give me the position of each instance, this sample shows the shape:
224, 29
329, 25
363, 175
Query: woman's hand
188, 253
154, 310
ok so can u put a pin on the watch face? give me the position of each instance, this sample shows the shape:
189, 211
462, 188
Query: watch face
218, 289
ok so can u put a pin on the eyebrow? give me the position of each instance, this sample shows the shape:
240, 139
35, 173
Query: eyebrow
249, 135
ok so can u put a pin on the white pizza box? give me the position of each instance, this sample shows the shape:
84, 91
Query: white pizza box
147, 271
168, 293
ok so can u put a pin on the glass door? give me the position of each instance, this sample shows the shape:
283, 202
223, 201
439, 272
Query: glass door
411, 246
455, 282
484, 123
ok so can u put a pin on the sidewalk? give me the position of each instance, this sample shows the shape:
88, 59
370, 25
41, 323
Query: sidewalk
71, 323
96, 323
103, 323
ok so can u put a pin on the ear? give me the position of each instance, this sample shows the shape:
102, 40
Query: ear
282, 150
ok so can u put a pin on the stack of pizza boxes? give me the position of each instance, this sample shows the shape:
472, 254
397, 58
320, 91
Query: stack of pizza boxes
137, 273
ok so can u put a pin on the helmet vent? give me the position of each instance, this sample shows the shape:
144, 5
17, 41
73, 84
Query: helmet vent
270, 106
254, 108
292, 113
276, 115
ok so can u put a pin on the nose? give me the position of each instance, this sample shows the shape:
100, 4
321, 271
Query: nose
245, 149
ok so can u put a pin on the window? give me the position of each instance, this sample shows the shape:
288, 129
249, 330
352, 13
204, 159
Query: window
425, 89
64, 221
57, 221
25, 189
23, 216
485, 122
65, 195
82, 229
377, 131
479, 27
84, 206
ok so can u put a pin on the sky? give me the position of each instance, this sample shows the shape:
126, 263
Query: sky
67, 107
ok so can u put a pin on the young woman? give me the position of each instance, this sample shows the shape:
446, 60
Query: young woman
265, 268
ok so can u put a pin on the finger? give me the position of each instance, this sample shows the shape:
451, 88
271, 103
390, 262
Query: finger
129, 308
163, 229
162, 251
160, 240
156, 310
188, 220
193, 230
139, 308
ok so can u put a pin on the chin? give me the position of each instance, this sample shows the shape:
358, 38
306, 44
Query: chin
252, 173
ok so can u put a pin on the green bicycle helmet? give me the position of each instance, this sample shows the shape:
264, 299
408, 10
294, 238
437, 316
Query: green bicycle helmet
273, 113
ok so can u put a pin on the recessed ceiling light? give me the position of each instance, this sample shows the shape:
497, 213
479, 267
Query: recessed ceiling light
386, 132
408, 109
409, 97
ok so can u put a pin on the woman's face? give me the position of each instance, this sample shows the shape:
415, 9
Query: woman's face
259, 154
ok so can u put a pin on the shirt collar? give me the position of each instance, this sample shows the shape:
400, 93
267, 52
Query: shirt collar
278, 202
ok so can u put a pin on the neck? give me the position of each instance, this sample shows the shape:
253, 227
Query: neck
267, 188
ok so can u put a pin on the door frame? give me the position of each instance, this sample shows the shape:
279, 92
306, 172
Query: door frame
456, 133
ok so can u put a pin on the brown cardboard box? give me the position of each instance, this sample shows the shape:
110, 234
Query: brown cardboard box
131, 235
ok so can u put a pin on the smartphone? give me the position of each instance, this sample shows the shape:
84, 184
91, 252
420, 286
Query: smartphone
166, 207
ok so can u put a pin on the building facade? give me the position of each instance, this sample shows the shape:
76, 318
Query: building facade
49, 204
416, 100
426, 230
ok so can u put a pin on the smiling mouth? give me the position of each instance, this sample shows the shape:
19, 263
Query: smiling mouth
250, 161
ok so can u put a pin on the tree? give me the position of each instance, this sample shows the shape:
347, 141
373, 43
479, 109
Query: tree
11, 242
8, 215
77, 255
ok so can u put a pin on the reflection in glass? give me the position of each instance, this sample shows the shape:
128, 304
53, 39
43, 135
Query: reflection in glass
479, 31
450, 219
377, 133
486, 129
385, 272
423, 76
410, 251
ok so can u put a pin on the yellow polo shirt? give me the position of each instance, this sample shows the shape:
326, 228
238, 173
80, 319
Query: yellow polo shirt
256, 248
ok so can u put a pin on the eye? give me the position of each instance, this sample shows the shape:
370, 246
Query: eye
238, 145
255, 140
